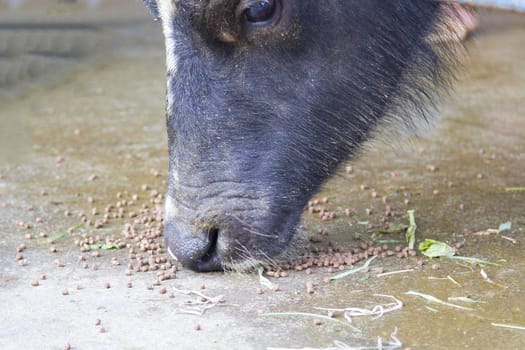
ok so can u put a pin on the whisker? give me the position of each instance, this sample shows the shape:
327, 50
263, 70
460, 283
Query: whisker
246, 227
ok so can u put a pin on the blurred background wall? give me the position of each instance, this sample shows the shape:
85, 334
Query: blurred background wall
41, 40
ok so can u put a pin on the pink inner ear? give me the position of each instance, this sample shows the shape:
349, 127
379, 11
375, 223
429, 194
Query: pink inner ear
461, 19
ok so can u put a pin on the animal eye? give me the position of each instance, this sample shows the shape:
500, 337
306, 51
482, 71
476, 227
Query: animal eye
261, 11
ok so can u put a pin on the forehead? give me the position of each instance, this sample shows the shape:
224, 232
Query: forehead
169, 8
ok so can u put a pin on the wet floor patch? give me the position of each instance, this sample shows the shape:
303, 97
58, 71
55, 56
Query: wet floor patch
94, 144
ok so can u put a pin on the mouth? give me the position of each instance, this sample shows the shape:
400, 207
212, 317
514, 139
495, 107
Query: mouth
227, 237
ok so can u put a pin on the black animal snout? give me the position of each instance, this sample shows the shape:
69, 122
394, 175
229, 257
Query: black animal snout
199, 252
227, 234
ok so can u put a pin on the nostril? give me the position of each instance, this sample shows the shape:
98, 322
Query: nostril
211, 237
210, 260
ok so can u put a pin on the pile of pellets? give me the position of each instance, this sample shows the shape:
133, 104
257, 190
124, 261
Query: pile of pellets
139, 218
136, 217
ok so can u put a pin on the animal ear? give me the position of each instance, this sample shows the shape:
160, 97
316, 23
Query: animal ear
153, 8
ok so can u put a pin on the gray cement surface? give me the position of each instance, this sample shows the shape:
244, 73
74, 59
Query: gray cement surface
100, 112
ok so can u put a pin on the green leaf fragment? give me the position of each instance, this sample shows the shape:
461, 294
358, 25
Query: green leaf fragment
506, 226
410, 235
307, 314
56, 236
105, 246
352, 271
387, 241
393, 229
59, 235
515, 189
435, 249
433, 299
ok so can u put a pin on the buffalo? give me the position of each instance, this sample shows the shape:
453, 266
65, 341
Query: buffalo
266, 99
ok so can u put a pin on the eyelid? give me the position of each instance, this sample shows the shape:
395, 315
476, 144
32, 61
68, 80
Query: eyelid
243, 6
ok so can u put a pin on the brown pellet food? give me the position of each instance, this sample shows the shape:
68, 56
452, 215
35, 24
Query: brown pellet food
67, 346
102, 330
317, 321
162, 290
107, 285
197, 327
35, 283
65, 292
431, 167
309, 287
98, 322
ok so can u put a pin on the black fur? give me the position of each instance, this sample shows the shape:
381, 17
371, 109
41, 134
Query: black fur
260, 117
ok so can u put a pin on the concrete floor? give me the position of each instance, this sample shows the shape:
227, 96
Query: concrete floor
100, 112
